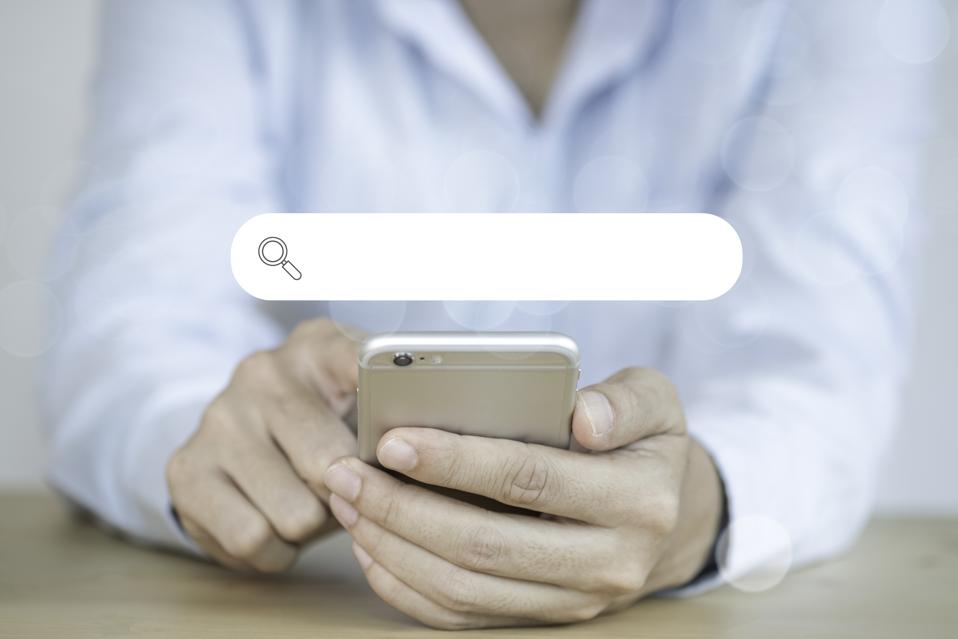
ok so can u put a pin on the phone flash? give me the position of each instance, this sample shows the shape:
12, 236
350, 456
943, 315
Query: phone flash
437, 359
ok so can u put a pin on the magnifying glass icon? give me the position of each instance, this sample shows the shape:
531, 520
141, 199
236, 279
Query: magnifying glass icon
273, 251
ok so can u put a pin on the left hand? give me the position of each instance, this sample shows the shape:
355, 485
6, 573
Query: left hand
635, 513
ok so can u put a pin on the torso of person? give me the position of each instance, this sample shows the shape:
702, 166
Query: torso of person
475, 105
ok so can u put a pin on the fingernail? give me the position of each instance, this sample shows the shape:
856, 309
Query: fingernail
398, 454
342, 511
598, 410
342, 481
362, 556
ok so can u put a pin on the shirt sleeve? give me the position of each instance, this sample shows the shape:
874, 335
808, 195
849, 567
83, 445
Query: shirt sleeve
179, 155
791, 380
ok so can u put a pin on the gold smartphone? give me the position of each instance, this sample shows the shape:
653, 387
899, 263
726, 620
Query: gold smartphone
509, 385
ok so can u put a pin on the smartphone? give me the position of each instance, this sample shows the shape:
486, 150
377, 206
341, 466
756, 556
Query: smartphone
517, 385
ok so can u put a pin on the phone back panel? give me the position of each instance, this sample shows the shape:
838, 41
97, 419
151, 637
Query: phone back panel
517, 386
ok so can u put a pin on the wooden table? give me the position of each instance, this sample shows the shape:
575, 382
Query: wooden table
61, 578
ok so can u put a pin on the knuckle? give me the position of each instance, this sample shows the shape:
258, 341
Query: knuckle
656, 376
278, 564
458, 591
623, 577
313, 474
652, 387
661, 514
248, 541
375, 540
646, 376
185, 478
312, 328
179, 469
621, 569
585, 612
255, 369
299, 414
392, 590
391, 508
480, 548
451, 473
303, 523
217, 418
528, 479
389, 590
302, 331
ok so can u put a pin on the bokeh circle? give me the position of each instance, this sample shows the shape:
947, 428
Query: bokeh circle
914, 31
481, 180
767, 544
479, 316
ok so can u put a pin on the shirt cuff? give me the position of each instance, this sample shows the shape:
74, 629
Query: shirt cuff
734, 441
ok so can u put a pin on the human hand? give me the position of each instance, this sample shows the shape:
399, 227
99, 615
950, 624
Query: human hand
248, 485
636, 513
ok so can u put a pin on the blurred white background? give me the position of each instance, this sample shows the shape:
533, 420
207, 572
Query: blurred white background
47, 50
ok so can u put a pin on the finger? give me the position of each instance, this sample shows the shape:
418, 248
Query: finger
218, 507
633, 404
322, 357
269, 482
406, 600
514, 546
466, 591
212, 547
311, 437
541, 478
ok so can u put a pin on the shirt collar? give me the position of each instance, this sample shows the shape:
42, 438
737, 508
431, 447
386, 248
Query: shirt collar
609, 39
443, 32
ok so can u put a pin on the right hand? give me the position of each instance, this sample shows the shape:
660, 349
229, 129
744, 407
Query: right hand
248, 485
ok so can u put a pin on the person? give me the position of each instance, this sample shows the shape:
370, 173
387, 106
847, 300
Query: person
711, 437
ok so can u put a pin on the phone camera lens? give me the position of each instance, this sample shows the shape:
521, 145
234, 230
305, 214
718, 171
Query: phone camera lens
402, 359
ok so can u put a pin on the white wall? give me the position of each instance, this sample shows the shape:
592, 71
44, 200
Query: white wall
46, 53
921, 472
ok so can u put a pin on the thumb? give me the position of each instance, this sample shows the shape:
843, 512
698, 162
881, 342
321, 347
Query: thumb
633, 404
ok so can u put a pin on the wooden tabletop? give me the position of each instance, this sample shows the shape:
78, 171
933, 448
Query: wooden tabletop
64, 578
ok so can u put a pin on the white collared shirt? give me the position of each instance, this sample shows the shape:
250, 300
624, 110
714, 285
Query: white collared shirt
794, 120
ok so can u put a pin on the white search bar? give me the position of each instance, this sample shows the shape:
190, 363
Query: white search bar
486, 256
